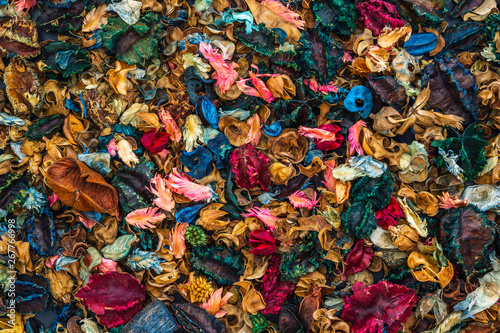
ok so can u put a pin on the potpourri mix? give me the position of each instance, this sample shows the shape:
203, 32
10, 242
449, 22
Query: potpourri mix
249, 166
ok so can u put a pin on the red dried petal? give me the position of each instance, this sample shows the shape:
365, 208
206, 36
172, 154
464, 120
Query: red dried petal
273, 290
359, 258
379, 308
262, 241
250, 168
154, 142
114, 297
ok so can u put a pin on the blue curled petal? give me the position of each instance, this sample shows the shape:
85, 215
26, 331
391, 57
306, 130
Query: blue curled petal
198, 162
207, 112
420, 44
188, 214
62, 58
274, 129
221, 147
359, 99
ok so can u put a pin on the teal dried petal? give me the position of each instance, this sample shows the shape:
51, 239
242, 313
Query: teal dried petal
376, 190
222, 264
261, 41
466, 234
320, 56
65, 58
199, 162
45, 127
131, 185
35, 201
469, 146
359, 99
304, 257
132, 43
337, 16
283, 62
360, 219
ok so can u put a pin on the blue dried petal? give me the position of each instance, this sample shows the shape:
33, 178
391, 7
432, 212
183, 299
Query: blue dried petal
139, 260
207, 112
10, 120
359, 99
230, 16
35, 201
196, 38
63, 261
221, 147
420, 44
188, 214
274, 129
198, 161
99, 162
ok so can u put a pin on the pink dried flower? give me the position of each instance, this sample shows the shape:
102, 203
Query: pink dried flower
300, 200
358, 259
145, 217
447, 202
260, 90
330, 181
262, 242
289, 15
214, 304
164, 198
107, 265
25, 4
273, 290
254, 134
354, 137
180, 184
113, 296
177, 240
170, 126
325, 136
264, 215
225, 75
